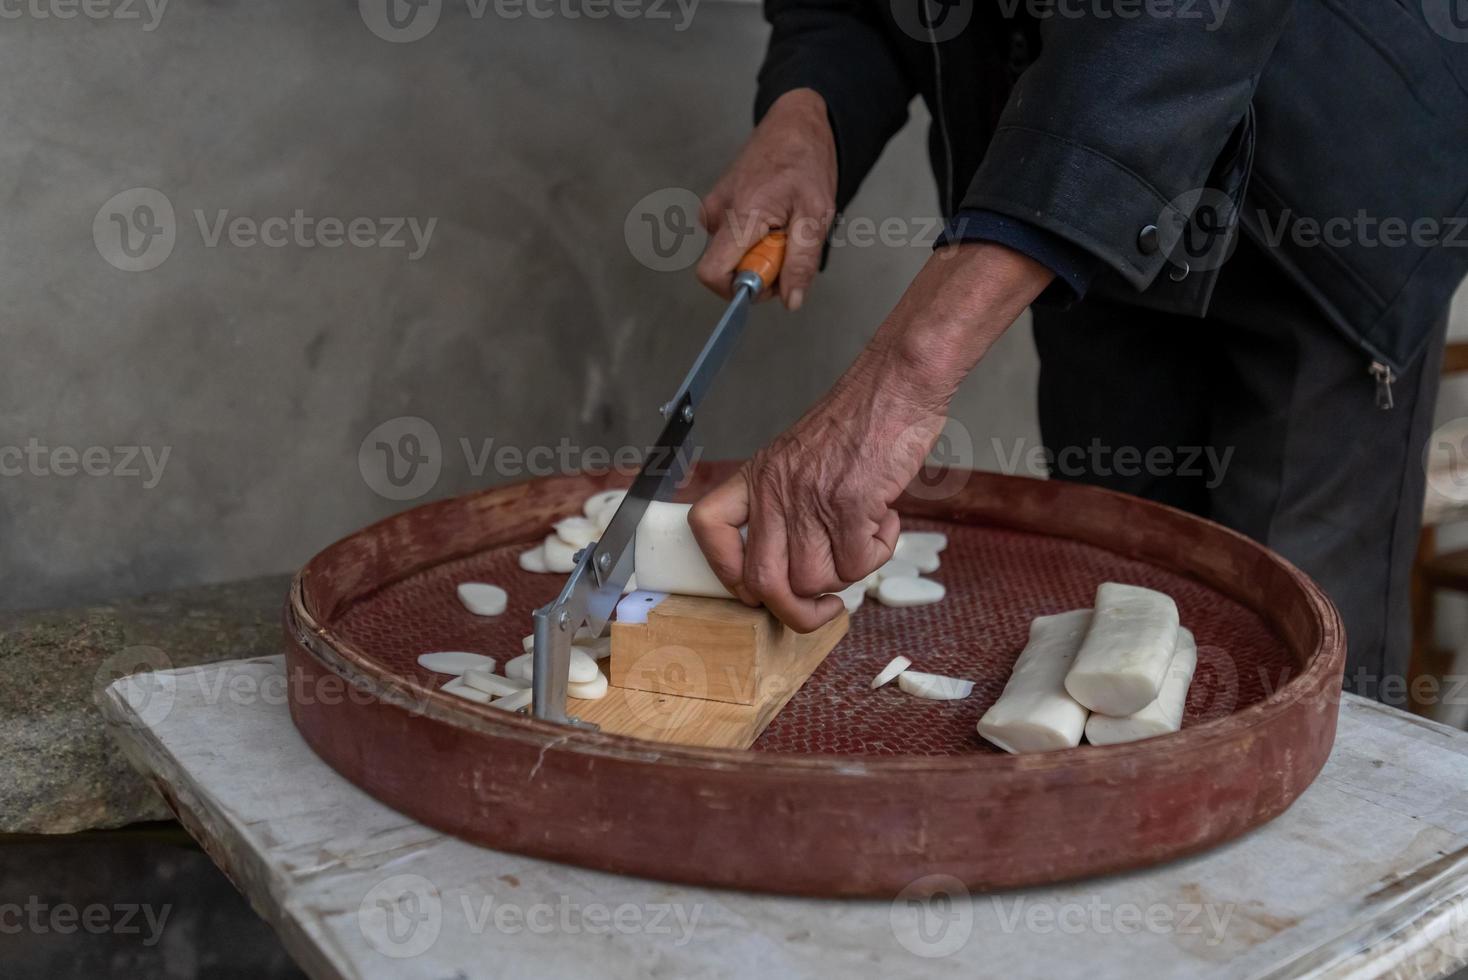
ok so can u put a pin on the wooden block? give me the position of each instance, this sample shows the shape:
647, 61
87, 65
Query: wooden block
716, 649
701, 651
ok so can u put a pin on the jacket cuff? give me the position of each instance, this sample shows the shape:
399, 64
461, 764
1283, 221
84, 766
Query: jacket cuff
1054, 184
1074, 267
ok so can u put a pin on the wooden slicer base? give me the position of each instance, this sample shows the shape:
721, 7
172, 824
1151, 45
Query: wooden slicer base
705, 672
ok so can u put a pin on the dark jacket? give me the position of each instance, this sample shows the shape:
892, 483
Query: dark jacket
1326, 128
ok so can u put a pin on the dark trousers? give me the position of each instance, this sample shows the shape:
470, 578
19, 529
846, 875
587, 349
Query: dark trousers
1263, 417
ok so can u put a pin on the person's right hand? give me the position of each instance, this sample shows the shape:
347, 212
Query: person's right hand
783, 179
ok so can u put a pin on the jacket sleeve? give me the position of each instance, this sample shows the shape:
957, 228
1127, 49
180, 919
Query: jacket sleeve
837, 48
1120, 116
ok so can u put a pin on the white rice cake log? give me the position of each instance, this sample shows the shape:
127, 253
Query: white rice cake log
669, 559
1127, 650
1161, 717
1035, 713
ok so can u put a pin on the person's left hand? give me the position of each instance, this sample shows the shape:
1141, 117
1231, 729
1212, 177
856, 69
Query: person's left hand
818, 500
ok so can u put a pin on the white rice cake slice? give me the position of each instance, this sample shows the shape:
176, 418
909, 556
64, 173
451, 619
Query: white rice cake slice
483, 599
458, 688
1127, 650
1164, 715
909, 591
916, 553
534, 559
934, 687
1035, 713
493, 684
454, 661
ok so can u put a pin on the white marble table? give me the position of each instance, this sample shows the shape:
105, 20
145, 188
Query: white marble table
1365, 876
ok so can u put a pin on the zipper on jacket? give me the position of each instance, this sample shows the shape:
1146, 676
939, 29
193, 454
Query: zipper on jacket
950, 206
1384, 379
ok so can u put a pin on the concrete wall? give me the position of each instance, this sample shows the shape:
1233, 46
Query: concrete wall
260, 370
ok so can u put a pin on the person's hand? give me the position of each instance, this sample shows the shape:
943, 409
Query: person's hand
783, 179
818, 500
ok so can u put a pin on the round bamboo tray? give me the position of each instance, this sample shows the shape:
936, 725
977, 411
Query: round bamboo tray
849, 792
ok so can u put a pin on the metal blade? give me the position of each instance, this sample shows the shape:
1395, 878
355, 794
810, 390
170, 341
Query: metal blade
591, 594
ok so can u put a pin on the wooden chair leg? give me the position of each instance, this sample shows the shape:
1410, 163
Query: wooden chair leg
1422, 661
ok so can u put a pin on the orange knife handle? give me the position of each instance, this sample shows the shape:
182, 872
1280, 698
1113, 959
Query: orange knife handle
765, 259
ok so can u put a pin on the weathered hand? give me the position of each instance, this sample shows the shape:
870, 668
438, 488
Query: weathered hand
784, 178
818, 500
